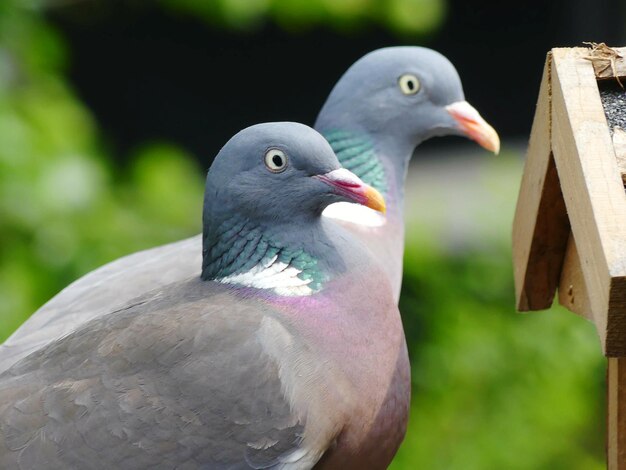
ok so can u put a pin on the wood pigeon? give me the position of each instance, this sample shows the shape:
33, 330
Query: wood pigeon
287, 352
382, 108
386, 104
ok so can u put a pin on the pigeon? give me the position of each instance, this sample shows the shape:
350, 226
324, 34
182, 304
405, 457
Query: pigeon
286, 352
384, 105
381, 109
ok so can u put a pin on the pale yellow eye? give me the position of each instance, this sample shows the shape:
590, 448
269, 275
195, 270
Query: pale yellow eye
409, 84
275, 160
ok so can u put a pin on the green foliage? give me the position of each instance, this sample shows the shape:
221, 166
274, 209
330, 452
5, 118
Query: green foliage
404, 17
64, 210
491, 389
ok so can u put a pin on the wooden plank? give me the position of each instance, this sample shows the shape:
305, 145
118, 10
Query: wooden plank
593, 191
573, 292
619, 144
540, 226
616, 372
616, 413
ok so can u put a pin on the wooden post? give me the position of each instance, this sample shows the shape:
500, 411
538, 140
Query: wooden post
616, 418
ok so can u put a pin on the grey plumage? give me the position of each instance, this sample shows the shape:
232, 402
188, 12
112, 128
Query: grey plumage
100, 291
368, 104
169, 381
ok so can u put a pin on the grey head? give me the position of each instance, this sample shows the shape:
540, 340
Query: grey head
265, 193
399, 97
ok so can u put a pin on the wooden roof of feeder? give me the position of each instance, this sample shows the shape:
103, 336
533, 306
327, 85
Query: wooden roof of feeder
569, 232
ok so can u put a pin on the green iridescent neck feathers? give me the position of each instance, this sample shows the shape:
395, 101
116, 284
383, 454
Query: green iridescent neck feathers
356, 153
241, 254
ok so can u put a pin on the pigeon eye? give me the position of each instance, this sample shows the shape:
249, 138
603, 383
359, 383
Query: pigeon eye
409, 84
275, 160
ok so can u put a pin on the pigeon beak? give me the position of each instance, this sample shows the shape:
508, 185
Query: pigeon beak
474, 126
350, 186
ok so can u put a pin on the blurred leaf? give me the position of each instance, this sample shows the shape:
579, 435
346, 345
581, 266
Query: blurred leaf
400, 16
410, 16
63, 210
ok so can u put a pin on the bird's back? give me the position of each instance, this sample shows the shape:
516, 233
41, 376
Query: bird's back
102, 291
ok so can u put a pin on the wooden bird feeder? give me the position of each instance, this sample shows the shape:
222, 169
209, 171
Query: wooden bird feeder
569, 232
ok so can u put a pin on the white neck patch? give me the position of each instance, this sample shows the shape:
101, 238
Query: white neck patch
354, 213
272, 274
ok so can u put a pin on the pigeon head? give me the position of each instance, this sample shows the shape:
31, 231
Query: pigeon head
264, 197
408, 94
280, 172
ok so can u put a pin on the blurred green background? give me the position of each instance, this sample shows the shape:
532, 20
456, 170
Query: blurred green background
492, 389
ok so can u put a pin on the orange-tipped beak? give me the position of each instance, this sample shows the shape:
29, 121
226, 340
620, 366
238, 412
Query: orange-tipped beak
374, 200
350, 186
474, 126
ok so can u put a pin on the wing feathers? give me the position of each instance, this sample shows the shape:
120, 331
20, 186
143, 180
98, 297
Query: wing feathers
164, 383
